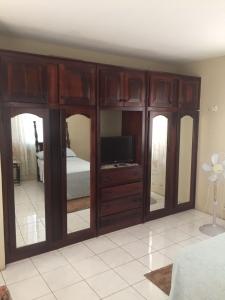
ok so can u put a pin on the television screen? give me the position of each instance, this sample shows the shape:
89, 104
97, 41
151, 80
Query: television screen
117, 149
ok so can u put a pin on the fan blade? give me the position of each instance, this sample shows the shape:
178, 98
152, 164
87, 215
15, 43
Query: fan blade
206, 167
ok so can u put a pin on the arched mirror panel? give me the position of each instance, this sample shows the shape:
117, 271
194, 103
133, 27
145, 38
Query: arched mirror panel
78, 172
159, 134
185, 159
28, 178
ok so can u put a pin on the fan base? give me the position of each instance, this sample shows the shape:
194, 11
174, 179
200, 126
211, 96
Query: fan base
212, 229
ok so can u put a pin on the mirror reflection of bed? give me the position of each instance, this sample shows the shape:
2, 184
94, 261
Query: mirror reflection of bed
28, 191
158, 163
78, 172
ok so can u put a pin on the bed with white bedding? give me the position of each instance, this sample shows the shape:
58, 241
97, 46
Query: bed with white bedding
78, 176
199, 271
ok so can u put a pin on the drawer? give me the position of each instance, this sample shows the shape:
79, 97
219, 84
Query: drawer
120, 205
120, 220
117, 176
121, 191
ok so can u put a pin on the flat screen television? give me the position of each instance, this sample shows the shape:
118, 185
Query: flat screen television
117, 149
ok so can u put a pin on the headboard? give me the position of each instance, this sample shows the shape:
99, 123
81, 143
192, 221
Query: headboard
39, 146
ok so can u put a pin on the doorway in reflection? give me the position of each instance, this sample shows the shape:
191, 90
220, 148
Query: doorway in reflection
28, 177
158, 162
78, 153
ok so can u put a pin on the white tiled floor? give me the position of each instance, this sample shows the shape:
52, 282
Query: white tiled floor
109, 267
30, 214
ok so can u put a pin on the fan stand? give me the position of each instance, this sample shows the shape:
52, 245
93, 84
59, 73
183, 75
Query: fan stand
213, 229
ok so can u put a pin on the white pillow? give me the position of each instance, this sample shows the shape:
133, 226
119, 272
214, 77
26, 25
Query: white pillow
40, 155
70, 153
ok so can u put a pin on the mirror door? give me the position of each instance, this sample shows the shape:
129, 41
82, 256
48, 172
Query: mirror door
160, 152
25, 153
186, 158
78, 170
29, 176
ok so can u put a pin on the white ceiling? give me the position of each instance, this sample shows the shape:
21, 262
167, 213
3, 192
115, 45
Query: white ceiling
171, 30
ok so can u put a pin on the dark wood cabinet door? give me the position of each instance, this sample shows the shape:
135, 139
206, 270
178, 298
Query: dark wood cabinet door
163, 90
77, 83
24, 79
111, 87
134, 88
189, 93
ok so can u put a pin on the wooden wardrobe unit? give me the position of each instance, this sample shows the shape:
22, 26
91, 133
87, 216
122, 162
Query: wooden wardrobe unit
57, 88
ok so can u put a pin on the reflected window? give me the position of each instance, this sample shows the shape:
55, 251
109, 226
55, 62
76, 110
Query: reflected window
158, 162
28, 175
185, 156
78, 128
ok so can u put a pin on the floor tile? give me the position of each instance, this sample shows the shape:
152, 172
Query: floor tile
2, 282
47, 297
191, 241
175, 235
127, 294
107, 283
137, 249
150, 291
91, 266
132, 272
121, 237
29, 289
78, 291
139, 231
172, 251
100, 244
61, 277
49, 261
155, 261
115, 257
157, 242
76, 253
18, 271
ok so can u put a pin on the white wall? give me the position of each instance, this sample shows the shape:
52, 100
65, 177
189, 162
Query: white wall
79, 128
45, 48
212, 124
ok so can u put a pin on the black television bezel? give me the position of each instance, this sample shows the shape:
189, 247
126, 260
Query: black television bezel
118, 161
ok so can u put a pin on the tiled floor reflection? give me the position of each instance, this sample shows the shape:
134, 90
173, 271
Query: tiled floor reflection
30, 214
108, 267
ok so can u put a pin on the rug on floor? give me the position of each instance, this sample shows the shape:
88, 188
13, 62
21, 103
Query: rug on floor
78, 204
4, 293
161, 278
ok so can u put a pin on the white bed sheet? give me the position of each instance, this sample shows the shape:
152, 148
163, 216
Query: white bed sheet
78, 177
199, 271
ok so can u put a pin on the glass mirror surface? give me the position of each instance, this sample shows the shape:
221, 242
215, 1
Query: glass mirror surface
185, 156
158, 162
78, 136
29, 179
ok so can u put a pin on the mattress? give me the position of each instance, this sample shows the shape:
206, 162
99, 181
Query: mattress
199, 271
78, 177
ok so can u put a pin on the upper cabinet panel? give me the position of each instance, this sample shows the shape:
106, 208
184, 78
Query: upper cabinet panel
24, 79
134, 88
121, 87
111, 87
189, 93
163, 90
77, 83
